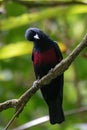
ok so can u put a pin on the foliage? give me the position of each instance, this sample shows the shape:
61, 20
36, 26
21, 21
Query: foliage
67, 25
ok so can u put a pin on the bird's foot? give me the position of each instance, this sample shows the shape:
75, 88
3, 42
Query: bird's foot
51, 70
35, 83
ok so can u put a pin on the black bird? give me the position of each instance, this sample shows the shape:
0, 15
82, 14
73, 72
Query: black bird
46, 54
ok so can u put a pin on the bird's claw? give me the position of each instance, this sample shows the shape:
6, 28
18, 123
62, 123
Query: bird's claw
35, 83
51, 70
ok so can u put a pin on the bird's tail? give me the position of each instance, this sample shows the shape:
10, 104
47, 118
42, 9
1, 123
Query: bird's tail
56, 112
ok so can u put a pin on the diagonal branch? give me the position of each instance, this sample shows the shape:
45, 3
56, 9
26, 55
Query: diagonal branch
20, 103
51, 3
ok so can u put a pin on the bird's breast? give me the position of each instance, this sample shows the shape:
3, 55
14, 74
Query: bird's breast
45, 57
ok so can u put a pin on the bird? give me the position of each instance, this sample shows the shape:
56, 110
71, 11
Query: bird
45, 56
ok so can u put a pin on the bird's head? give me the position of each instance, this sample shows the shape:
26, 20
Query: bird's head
35, 35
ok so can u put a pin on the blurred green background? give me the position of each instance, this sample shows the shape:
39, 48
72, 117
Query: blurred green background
65, 24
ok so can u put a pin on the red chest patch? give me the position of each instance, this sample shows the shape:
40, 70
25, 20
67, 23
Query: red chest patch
46, 57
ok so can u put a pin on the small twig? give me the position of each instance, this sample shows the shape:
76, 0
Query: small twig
8, 104
13, 118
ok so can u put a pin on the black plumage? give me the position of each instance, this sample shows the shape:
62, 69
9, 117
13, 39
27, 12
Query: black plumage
46, 54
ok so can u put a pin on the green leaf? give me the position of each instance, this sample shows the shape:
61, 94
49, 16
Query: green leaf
79, 9
16, 49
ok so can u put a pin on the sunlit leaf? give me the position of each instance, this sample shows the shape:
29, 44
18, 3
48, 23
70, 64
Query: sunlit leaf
62, 46
78, 9
16, 49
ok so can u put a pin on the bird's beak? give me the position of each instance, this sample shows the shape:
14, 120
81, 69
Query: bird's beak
36, 36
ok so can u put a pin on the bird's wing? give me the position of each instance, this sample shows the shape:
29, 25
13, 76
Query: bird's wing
57, 50
32, 55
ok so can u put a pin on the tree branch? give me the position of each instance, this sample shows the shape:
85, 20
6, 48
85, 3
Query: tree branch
46, 118
51, 3
56, 71
8, 104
